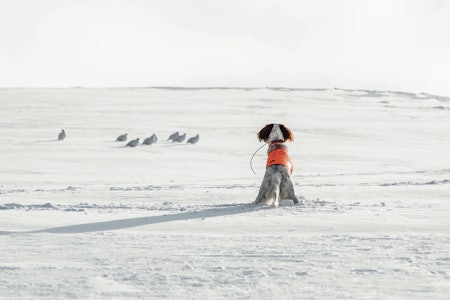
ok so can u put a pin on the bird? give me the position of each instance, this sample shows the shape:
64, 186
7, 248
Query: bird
150, 140
193, 140
180, 138
122, 138
174, 136
133, 143
61, 135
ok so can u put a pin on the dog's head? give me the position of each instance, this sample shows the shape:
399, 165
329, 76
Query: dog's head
275, 132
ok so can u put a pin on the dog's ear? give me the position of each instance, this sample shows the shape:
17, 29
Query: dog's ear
263, 134
287, 133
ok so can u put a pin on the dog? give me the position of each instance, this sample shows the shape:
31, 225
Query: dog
277, 184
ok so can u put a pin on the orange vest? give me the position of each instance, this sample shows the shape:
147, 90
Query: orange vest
280, 157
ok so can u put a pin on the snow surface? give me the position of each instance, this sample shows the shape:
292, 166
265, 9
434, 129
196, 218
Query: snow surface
88, 218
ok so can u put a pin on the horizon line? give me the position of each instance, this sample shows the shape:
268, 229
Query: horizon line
249, 88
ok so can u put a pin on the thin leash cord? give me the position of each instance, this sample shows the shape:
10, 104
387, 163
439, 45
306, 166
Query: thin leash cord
254, 156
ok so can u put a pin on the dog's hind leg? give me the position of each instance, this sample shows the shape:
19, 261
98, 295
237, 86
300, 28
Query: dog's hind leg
287, 190
291, 193
269, 192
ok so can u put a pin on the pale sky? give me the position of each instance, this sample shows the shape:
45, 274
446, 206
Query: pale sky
401, 45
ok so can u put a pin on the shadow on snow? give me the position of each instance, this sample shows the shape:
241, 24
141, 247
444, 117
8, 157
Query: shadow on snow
217, 211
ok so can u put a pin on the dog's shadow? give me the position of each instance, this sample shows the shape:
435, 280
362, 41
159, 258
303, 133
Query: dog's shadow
216, 211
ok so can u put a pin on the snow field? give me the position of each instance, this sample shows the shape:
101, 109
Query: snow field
88, 218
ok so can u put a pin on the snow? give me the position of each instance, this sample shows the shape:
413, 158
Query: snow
89, 218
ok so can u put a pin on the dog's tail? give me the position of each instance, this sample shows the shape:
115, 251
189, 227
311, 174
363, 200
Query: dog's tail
275, 189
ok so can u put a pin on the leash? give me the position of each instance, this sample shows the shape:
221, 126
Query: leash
254, 156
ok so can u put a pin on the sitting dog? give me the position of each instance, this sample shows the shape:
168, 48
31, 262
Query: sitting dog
277, 184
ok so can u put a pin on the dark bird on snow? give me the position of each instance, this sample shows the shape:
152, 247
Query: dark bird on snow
133, 143
122, 138
193, 140
174, 136
180, 138
61, 135
150, 140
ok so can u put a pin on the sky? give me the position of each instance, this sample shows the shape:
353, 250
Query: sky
401, 45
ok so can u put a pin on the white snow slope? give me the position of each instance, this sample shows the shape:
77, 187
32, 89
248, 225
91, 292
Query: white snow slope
88, 218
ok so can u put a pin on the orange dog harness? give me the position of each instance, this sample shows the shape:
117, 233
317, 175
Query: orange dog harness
280, 157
